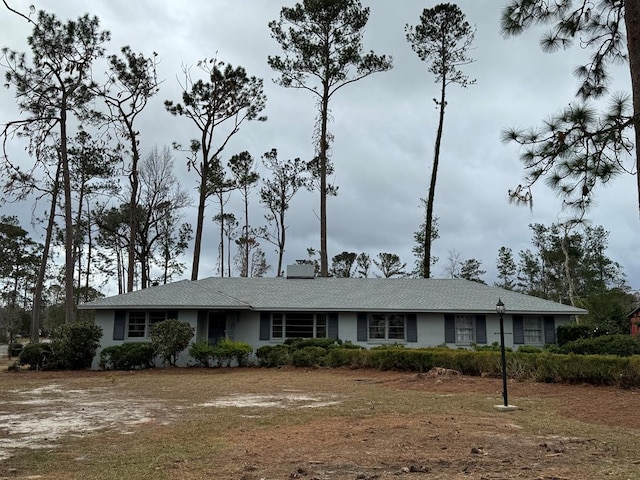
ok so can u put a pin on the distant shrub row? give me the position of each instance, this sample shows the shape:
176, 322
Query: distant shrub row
527, 363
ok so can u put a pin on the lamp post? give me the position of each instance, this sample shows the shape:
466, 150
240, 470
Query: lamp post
500, 311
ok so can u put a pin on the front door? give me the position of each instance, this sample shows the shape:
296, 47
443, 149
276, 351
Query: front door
217, 327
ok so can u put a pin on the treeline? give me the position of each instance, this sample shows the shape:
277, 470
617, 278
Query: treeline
114, 208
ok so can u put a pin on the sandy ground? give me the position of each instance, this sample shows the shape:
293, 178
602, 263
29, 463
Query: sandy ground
462, 445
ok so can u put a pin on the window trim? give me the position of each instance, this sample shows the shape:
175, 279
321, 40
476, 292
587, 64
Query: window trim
147, 322
279, 320
387, 317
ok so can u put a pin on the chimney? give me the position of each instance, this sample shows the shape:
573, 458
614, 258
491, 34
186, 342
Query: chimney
300, 270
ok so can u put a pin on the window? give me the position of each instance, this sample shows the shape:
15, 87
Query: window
386, 326
298, 325
140, 323
533, 330
137, 324
464, 329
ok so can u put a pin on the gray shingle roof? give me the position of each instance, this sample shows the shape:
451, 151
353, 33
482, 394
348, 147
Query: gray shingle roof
332, 294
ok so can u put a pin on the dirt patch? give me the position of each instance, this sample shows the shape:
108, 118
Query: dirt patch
253, 424
288, 400
35, 418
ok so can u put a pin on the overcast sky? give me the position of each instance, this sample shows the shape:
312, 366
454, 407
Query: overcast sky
384, 128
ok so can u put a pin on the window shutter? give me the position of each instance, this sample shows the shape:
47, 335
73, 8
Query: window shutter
481, 329
549, 329
449, 328
119, 324
362, 327
265, 326
412, 327
518, 330
172, 315
332, 325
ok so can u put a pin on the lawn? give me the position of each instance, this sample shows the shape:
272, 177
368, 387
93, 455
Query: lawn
253, 423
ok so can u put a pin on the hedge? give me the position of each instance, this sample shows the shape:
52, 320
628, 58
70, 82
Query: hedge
128, 356
541, 366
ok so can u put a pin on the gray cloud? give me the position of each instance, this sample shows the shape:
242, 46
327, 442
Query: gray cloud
384, 127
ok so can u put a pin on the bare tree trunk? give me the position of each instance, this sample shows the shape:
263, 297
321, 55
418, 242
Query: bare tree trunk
281, 243
324, 146
222, 240
76, 238
42, 270
133, 207
197, 244
632, 21
426, 261
68, 219
89, 253
120, 268
245, 267
567, 267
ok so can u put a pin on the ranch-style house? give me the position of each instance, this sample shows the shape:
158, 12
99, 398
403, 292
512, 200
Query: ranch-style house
415, 312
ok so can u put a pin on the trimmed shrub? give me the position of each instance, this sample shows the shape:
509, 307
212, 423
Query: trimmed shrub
299, 343
35, 355
274, 355
620, 345
346, 356
227, 351
169, 338
311, 356
529, 349
202, 353
494, 347
542, 366
74, 345
128, 356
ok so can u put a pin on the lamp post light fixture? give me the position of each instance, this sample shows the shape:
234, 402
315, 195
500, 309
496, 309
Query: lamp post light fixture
500, 311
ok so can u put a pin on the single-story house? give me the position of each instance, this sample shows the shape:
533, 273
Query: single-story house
415, 312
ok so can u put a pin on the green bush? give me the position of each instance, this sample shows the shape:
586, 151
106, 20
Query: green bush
203, 353
36, 355
74, 345
348, 345
311, 356
570, 332
542, 366
299, 343
169, 338
592, 369
620, 345
128, 356
226, 351
346, 356
529, 349
274, 355
494, 347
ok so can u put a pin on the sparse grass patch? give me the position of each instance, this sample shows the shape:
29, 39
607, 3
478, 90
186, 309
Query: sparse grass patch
252, 423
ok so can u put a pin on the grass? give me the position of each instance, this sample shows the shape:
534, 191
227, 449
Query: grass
382, 423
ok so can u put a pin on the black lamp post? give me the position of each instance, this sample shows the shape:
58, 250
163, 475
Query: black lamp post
500, 311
